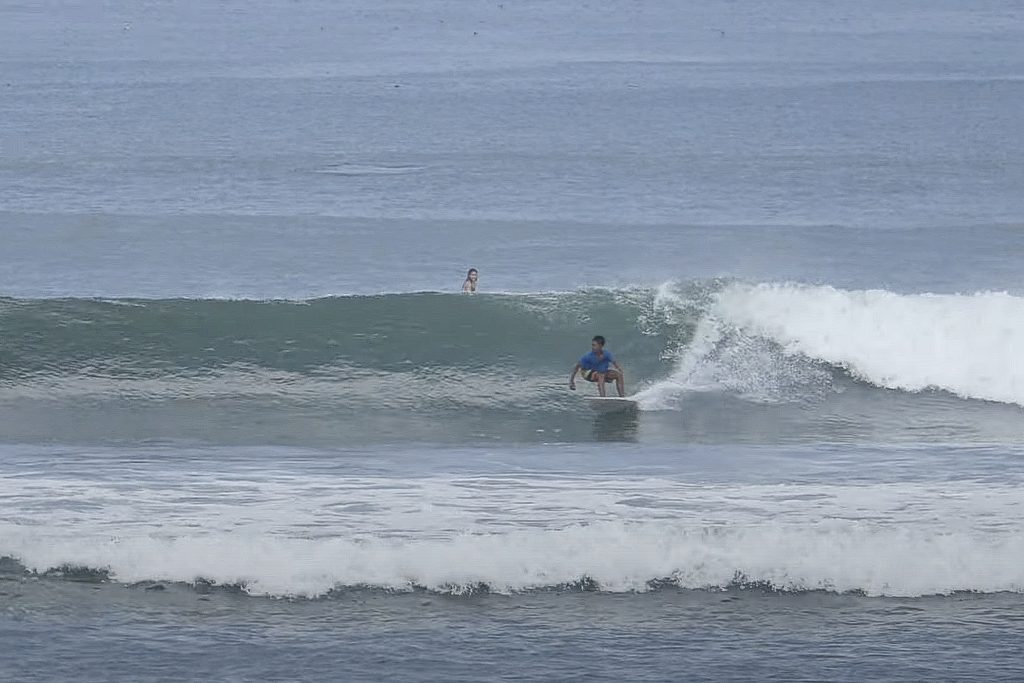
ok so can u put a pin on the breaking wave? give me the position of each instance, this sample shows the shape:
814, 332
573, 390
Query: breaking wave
283, 533
764, 342
836, 555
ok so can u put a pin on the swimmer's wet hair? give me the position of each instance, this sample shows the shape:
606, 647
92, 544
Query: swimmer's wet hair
599, 339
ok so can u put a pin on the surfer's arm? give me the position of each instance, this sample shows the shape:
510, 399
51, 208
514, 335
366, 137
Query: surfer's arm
572, 377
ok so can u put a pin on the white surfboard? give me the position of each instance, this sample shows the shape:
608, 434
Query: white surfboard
611, 404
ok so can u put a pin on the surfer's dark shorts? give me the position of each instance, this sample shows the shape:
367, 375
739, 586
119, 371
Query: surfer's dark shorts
589, 375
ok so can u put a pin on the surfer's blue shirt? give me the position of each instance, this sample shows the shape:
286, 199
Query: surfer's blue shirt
595, 364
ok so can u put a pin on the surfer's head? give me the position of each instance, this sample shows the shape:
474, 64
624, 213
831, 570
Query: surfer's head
597, 343
472, 275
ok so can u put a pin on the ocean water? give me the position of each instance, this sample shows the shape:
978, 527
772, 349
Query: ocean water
250, 430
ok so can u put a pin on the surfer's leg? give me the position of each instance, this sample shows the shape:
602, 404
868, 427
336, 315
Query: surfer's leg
619, 382
599, 377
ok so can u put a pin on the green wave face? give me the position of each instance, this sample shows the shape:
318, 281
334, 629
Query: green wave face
433, 367
520, 335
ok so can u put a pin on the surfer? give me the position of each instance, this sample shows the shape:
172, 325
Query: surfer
469, 286
599, 366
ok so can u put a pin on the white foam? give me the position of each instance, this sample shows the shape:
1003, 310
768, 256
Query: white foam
968, 345
284, 534
832, 555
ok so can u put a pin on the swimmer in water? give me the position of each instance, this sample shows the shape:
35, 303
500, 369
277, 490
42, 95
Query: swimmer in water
469, 286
